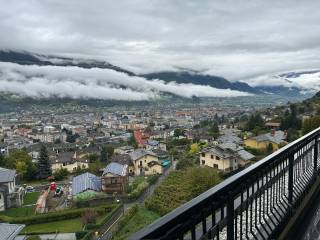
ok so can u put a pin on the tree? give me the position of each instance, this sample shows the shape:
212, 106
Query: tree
89, 216
132, 142
21, 168
21, 161
310, 124
3, 161
95, 167
106, 153
61, 174
178, 132
44, 163
194, 148
32, 172
255, 121
93, 157
269, 148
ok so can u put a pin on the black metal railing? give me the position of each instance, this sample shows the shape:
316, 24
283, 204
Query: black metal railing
256, 203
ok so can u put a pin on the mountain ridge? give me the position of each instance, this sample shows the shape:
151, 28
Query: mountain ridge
182, 76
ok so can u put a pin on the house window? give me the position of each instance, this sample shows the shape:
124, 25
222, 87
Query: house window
140, 164
211, 156
203, 154
215, 166
217, 158
203, 162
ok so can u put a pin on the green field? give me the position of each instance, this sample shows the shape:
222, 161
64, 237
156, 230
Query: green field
31, 198
19, 212
64, 226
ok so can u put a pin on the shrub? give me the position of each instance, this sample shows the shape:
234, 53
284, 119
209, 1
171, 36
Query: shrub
126, 217
61, 174
81, 234
153, 179
89, 216
138, 190
55, 216
33, 237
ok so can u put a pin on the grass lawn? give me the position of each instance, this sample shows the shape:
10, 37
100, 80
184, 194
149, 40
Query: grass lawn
64, 226
19, 212
36, 182
31, 198
142, 218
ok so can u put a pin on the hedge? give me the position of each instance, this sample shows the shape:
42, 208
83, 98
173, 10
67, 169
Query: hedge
91, 226
81, 234
126, 218
54, 216
138, 191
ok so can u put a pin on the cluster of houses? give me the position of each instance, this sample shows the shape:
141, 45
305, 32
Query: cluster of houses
126, 162
228, 152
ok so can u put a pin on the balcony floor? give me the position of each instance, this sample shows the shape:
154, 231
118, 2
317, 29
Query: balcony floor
310, 230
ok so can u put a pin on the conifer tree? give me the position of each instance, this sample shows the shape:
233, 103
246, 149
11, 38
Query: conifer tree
44, 163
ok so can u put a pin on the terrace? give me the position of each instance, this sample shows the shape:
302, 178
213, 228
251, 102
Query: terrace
275, 198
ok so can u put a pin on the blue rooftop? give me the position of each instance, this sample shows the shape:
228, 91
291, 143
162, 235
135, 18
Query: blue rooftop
116, 168
86, 181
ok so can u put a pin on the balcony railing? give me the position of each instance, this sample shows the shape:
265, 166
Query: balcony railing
256, 203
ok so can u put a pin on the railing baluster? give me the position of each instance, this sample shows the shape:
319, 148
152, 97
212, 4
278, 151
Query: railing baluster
290, 178
230, 216
315, 157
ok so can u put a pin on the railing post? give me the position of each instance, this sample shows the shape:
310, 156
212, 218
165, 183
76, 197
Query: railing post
315, 156
230, 217
290, 178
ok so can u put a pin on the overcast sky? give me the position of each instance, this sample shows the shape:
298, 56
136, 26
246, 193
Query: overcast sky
238, 40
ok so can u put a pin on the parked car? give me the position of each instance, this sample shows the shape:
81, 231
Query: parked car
58, 192
29, 189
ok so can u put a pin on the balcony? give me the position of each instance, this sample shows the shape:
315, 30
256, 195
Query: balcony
268, 200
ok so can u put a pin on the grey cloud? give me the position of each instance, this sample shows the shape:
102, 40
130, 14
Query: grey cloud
239, 40
75, 82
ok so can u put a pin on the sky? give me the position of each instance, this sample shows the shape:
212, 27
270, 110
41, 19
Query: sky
238, 40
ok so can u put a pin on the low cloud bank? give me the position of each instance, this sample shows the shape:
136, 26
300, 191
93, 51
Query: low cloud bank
75, 82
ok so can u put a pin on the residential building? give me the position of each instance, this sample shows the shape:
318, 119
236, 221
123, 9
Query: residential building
225, 157
10, 194
124, 159
69, 161
124, 150
262, 142
145, 162
115, 178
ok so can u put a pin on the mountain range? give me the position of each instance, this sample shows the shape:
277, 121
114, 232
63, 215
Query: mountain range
180, 77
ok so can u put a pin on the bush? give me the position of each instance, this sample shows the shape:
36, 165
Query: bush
33, 237
126, 217
81, 234
61, 174
138, 190
89, 216
55, 216
153, 179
